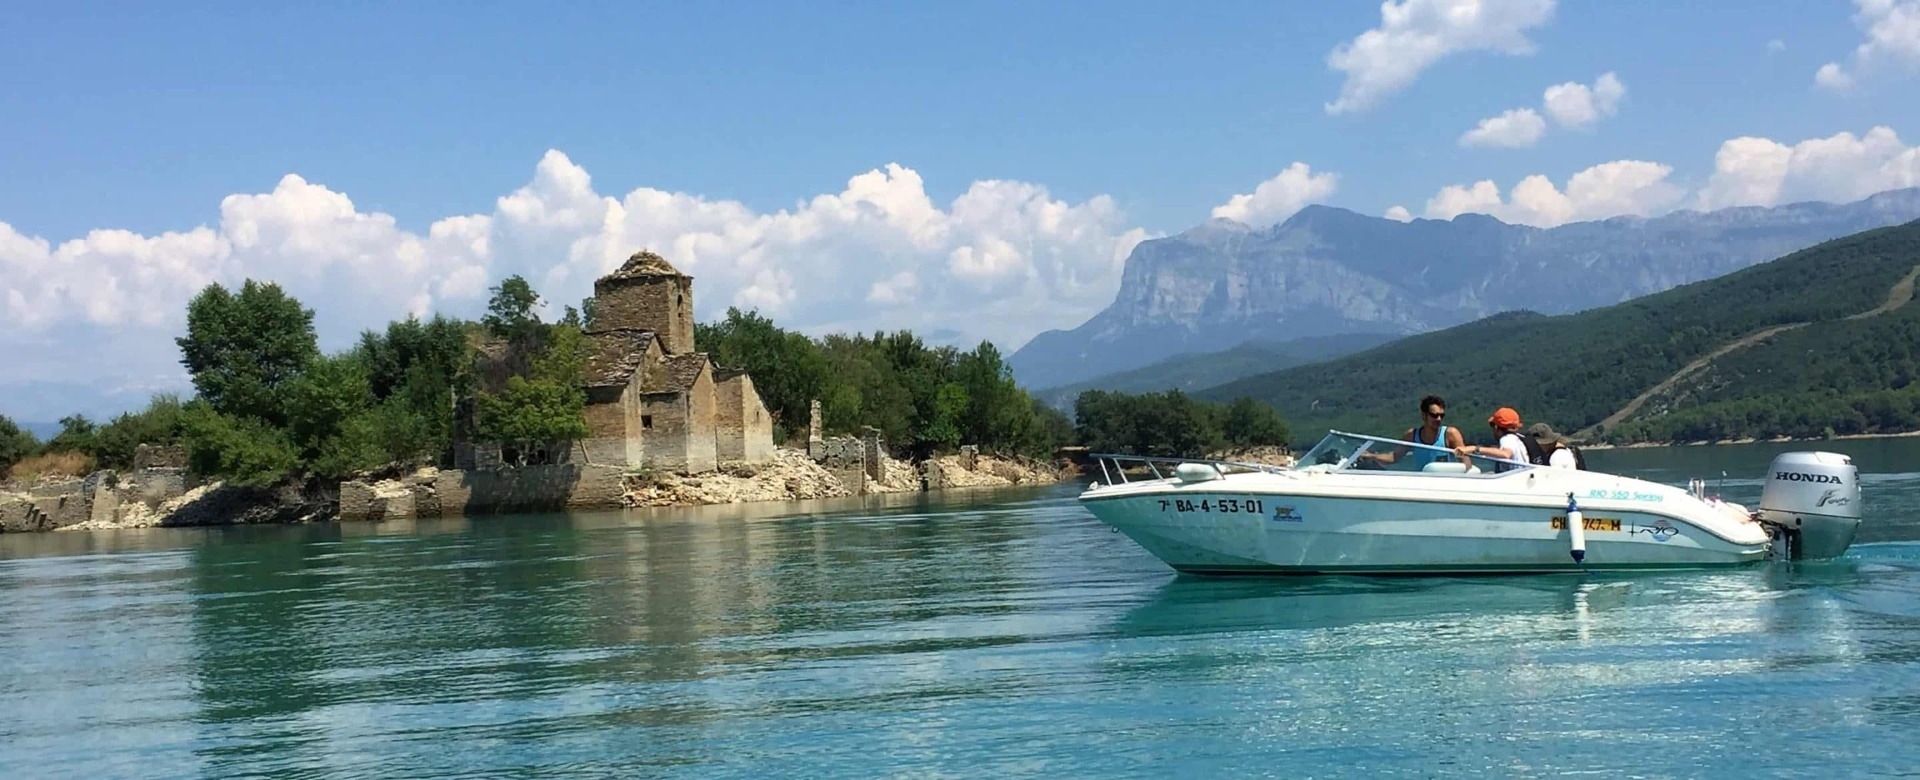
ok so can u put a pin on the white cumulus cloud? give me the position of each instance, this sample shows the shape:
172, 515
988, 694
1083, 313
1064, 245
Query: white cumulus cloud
1399, 214
1747, 171
1003, 260
1571, 104
1415, 34
1892, 30
1517, 128
1574, 104
1751, 171
1275, 199
1606, 190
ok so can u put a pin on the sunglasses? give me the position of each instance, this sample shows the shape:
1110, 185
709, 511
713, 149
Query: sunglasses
1437, 415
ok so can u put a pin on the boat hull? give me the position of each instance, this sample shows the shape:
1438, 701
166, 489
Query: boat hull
1236, 532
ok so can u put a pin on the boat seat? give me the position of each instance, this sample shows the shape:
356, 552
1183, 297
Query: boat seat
1445, 467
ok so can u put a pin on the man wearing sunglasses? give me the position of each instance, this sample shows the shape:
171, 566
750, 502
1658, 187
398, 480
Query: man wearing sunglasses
1433, 429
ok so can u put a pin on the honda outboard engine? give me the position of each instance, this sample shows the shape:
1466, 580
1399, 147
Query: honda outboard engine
1813, 500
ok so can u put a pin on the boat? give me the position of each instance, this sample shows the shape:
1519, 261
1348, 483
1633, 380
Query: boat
1358, 504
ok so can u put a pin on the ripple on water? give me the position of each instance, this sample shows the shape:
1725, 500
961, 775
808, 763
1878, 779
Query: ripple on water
1001, 634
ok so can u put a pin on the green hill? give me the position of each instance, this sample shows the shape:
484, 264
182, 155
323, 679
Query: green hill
1197, 371
1835, 350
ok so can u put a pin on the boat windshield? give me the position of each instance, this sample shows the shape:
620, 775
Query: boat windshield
1355, 452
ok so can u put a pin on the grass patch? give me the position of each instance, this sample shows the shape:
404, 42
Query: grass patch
52, 464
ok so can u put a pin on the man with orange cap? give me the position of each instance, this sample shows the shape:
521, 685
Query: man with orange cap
1511, 446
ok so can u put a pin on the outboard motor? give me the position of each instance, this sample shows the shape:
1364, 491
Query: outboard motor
1812, 499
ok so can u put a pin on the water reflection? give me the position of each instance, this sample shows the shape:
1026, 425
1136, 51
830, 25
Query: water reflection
920, 635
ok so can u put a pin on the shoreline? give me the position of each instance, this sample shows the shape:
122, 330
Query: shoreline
165, 498
1775, 440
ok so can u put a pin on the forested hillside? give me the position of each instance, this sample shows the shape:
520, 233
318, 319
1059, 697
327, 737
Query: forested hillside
1853, 376
1195, 372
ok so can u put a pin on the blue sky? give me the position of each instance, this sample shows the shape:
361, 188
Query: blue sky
1117, 120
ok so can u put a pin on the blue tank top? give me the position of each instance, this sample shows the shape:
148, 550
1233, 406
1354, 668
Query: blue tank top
1422, 457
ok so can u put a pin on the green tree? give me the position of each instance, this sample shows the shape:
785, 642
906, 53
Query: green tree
15, 444
510, 311
332, 391
160, 423
788, 369
245, 350
243, 451
547, 404
1167, 424
1250, 423
530, 410
418, 372
77, 434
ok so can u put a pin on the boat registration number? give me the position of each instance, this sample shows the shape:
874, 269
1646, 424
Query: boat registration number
1224, 505
1589, 523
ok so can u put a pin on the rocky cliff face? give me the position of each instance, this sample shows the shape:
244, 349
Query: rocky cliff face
1329, 271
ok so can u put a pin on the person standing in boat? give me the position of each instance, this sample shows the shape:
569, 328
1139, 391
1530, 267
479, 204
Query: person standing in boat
1509, 446
1432, 430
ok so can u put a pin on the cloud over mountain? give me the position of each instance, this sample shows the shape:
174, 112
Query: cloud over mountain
1275, 199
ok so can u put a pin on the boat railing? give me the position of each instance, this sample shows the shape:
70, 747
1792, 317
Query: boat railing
1115, 467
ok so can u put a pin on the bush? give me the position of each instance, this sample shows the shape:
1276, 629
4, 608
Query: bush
114, 444
241, 450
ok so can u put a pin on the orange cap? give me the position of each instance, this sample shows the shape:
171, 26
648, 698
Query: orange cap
1504, 418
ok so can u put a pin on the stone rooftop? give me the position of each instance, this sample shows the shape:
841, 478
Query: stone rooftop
644, 265
682, 371
614, 355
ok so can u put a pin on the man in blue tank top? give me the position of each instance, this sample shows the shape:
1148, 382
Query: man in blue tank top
1432, 429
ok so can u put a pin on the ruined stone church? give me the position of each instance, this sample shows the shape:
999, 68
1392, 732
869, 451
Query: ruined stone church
652, 401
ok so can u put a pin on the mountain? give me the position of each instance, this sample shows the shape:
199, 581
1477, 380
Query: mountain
1327, 271
1194, 372
52, 400
43, 431
1822, 340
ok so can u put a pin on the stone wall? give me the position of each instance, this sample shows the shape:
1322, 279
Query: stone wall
662, 304
454, 493
845, 457
606, 413
816, 439
843, 452
702, 438
728, 426
615, 452
152, 456
741, 422
855, 478
666, 428
870, 454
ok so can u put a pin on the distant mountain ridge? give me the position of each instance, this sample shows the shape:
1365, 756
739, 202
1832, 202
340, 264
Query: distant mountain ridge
1329, 271
1823, 341
1196, 372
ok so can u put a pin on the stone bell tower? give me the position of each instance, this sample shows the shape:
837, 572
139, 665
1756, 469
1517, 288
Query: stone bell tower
647, 293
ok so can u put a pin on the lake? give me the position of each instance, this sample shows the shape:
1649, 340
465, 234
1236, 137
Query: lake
958, 635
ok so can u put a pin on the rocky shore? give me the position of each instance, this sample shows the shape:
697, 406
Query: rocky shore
161, 494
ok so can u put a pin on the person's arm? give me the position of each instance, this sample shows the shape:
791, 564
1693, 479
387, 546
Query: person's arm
1502, 453
1389, 457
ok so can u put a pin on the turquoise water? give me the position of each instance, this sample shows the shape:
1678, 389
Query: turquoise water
959, 635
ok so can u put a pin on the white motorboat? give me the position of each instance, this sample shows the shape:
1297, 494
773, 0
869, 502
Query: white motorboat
1359, 504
